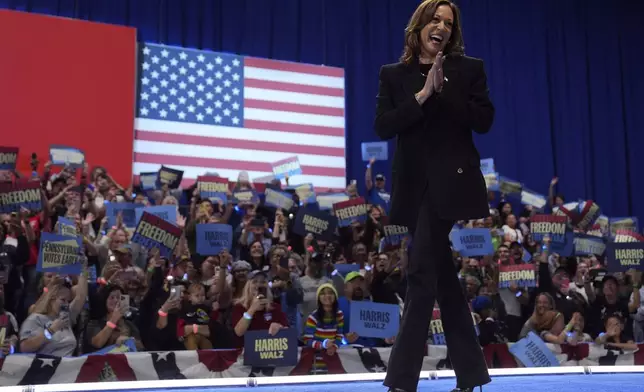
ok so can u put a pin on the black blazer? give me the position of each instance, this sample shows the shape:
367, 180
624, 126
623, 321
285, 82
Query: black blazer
434, 145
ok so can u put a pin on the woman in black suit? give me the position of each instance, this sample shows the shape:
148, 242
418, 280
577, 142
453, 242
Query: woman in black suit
430, 102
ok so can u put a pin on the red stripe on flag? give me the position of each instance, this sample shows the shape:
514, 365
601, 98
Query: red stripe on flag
293, 107
208, 141
293, 67
188, 182
294, 128
230, 165
218, 360
93, 366
294, 88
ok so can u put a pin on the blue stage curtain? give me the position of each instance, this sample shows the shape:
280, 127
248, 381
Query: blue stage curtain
565, 75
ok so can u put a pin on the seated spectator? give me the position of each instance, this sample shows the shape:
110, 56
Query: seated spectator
110, 326
324, 329
577, 334
256, 310
491, 330
615, 335
8, 329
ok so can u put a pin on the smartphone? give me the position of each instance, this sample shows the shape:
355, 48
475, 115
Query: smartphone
176, 292
125, 302
262, 291
64, 311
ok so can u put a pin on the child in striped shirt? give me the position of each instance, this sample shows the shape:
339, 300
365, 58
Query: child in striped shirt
324, 328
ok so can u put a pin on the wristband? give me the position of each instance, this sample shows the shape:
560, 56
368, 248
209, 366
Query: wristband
367, 268
270, 285
195, 328
101, 281
48, 334
325, 343
111, 325
12, 349
568, 328
247, 316
162, 313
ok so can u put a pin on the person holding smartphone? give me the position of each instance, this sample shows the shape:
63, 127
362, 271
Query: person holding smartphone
256, 310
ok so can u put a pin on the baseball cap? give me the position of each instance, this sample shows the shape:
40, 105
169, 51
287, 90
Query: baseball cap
351, 276
380, 177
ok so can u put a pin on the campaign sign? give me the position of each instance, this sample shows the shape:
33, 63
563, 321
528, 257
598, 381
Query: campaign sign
531, 351
170, 177
60, 254
306, 193
263, 350
492, 181
319, 223
66, 156
13, 197
8, 158
588, 213
66, 227
586, 245
624, 256
487, 166
149, 180
287, 167
555, 226
377, 150
127, 211
327, 200
343, 269
530, 198
522, 275
353, 210
508, 186
374, 320
630, 224
473, 242
627, 236
277, 199
437, 332
213, 188
167, 213
246, 197
213, 237
394, 235
154, 232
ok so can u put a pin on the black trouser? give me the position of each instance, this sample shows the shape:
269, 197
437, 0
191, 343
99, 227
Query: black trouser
432, 276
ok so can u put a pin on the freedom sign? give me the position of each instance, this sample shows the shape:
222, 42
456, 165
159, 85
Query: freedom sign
154, 232
8, 158
555, 226
13, 197
353, 210
522, 275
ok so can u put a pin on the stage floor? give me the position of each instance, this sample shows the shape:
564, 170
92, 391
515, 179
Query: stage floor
621, 382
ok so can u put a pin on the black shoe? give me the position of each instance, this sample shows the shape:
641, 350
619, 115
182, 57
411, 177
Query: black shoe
466, 389
396, 390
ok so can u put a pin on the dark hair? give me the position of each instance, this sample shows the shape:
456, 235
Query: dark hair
319, 312
421, 18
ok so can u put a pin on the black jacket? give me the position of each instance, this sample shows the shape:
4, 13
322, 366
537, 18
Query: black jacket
434, 143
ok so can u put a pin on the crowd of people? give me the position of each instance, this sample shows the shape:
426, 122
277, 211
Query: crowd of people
273, 279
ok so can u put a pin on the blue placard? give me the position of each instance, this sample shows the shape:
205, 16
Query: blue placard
277, 199
344, 269
59, 253
8, 158
487, 166
213, 237
248, 196
66, 227
289, 166
587, 245
473, 242
305, 192
623, 256
127, 210
149, 180
492, 181
66, 156
264, 350
327, 200
377, 150
167, 213
319, 223
533, 352
171, 177
374, 320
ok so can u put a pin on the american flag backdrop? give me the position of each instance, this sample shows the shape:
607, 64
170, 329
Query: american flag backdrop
201, 111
